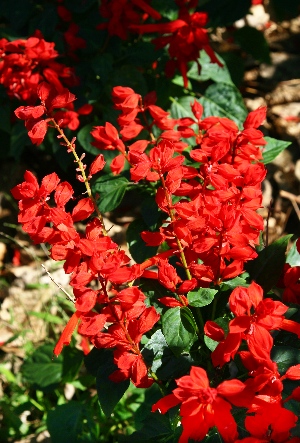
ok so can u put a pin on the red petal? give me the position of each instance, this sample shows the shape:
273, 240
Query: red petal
63, 193
83, 209
26, 112
255, 118
37, 132
165, 403
97, 165
293, 373
66, 335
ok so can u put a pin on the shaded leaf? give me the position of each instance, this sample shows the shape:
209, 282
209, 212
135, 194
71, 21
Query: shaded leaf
285, 357
179, 329
224, 100
85, 139
201, 297
137, 247
99, 362
163, 362
267, 267
253, 41
111, 190
64, 423
41, 369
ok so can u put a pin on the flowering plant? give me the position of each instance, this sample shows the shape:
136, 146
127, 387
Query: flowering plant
192, 262
194, 311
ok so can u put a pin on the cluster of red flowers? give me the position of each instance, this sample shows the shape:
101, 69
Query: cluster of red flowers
202, 407
25, 63
121, 14
214, 225
38, 118
91, 258
184, 37
211, 227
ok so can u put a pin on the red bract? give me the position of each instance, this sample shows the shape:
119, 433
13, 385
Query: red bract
122, 13
271, 422
291, 284
185, 37
254, 317
202, 407
50, 99
25, 63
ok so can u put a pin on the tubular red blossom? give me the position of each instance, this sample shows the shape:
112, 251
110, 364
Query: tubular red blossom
185, 37
67, 333
202, 407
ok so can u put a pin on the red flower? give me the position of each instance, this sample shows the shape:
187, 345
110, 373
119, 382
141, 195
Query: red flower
290, 280
25, 63
51, 99
122, 13
271, 422
254, 318
185, 37
203, 407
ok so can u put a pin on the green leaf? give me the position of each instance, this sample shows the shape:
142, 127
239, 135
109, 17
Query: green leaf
235, 65
137, 247
285, 357
163, 362
224, 100
293, 256
267, 267
42, 369
157, 429
150, 212
212, 344
85, 139
65, 422
8, 375
209, 70
179, 329
129, 76
99, 362
201, 297
72, 361
253, 41
273, 148
47, 317
233, 283
111, 189
182, 107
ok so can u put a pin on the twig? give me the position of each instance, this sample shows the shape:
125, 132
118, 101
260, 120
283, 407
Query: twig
58, 285
294, 199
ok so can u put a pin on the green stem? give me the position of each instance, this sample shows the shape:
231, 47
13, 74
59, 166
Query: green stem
214, 307
172, 216
200, 319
